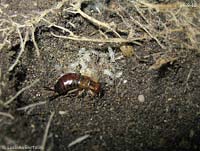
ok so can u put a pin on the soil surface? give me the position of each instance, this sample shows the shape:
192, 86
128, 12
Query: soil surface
142, 109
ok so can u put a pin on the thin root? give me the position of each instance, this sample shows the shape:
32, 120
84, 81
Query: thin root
19, 92
46, 132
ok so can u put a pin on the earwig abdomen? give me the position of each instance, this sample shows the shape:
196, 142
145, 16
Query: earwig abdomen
66, 83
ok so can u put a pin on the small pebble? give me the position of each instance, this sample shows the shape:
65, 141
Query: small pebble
127, 50
125, 81
169, 99
141, 98
118, 74
191, 133
35, 4
62, 112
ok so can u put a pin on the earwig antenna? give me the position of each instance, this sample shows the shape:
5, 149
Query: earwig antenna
51, 98
49, 88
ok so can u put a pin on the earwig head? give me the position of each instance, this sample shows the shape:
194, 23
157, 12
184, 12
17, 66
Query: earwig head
95, 87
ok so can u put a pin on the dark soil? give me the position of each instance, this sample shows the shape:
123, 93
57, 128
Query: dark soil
168, 118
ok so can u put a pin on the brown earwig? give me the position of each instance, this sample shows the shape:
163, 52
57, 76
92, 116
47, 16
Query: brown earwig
75, 83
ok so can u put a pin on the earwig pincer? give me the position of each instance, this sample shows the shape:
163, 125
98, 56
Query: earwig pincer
73, 83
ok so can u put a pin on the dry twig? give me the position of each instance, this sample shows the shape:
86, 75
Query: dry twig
109, 40
77, 10
78, 140
22, 45
46, 132
29, 26
7, 115
33, 39
25, 108
19, 92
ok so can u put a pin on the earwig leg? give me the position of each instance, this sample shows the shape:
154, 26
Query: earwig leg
80, 92
73, 93
91, 93
76, 92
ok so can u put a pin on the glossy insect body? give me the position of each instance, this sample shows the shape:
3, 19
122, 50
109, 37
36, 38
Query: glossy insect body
73, 83
66, 83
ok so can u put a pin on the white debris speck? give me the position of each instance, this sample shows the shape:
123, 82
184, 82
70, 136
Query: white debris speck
108, 73
62, 112
78, 140
141, 98
118, 74
97, 64
35, 3
101, 137
94, 52
73, 65
83, 64
125, 81
87, 57
56, 136
169, 99
111, 54
58, 67
192, 133
81, 51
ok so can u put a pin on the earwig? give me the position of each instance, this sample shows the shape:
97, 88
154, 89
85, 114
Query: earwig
71, 83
